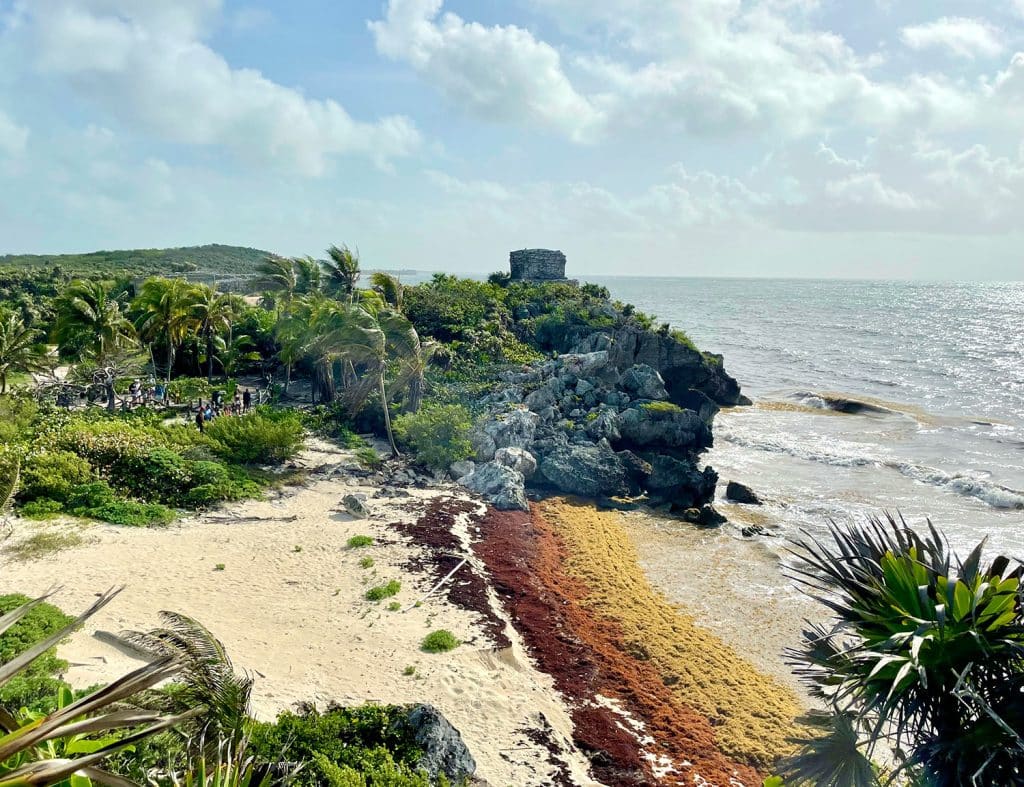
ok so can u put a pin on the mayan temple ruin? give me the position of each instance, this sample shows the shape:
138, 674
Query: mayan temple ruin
537, 265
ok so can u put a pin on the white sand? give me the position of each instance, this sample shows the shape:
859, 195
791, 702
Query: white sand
297, 619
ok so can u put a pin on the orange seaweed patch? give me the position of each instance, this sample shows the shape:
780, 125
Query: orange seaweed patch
583, 653
752, 714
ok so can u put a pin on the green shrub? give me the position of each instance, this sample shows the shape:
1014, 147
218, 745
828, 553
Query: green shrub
17, 414
369, 458
440, 641
357, 542
381, 592
262, 437
362, 739
437, 435
366, 562
378, 774
661, 407
36, 686
186, 389
41, 509
334, 422
98, 501
53, 475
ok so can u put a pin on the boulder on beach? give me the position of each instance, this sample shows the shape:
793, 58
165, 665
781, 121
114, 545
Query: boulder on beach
444, 751
503, 487
741, 493
680, 482
518, 459
354, 507
462, 468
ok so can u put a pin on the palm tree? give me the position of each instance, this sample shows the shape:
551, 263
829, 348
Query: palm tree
342, 271
389, 287
208, 681
408, 356
925, 654
278, 275
212, 312
89, 323
21, 349
308, 275
28, 744
162, 312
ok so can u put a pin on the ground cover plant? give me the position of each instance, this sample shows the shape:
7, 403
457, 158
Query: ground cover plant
925, 654
440, 641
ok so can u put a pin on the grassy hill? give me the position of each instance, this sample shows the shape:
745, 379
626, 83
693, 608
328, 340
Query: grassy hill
212, 258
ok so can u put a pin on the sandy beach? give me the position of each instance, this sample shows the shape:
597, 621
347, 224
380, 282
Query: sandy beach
658, 697
288, 604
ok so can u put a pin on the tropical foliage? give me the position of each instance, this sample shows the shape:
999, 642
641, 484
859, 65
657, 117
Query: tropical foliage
925, 657
41, 748
21, 348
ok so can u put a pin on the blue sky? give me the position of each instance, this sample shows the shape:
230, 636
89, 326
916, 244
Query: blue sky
658, 137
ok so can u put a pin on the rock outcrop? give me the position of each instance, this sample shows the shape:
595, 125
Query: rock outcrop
628, 414
503, 487
741, 493
444, 751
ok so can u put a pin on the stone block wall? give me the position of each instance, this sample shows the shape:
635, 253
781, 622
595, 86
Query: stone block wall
537, 265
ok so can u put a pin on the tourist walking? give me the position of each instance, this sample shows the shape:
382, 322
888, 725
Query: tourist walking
201, 417
246, 400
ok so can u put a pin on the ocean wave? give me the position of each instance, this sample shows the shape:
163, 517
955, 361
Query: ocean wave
840, 404
995, 495
846, 454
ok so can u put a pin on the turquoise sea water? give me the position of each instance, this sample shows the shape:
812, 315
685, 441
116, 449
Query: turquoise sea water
943, 364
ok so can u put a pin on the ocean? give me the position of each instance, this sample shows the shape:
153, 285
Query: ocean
938, 366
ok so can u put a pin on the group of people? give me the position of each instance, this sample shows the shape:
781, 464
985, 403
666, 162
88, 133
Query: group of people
217, 406
154, 393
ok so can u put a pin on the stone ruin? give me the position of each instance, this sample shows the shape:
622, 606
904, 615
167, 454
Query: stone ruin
537, 265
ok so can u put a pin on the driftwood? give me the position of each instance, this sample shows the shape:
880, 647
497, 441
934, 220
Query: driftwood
254, 519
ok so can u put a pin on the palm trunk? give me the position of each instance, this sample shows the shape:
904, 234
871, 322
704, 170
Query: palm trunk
387, 412
209, 356
287, 378
324, 382
170, 360
415, 395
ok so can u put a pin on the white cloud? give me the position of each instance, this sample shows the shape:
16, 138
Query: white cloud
146, 65
13, 137
707, 67
500, 72
963, 37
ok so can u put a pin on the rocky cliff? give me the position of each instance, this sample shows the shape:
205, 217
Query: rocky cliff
626, 416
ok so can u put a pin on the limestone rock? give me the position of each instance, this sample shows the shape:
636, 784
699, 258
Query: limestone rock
741, 493
462, 468
354, 507
513, 429
664, 425
443, 749
680, 365
589, 470
643, 382
518, 459
705, 516
605, 426
503, 487
483, 445
680, 482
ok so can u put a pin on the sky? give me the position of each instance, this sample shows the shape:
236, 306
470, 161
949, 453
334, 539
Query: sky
806, 138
